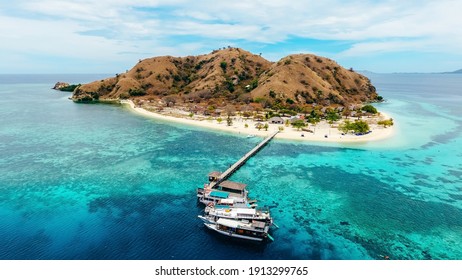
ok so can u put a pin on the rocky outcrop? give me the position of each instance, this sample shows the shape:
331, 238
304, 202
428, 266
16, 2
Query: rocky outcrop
60, 85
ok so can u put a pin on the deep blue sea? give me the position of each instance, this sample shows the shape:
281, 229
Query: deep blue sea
95, 181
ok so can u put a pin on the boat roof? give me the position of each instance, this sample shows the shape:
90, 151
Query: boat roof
245, 211
229, 223
234, 200
248, 211
233, 185
226, 201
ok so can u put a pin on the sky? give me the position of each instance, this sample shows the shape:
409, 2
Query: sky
110, 36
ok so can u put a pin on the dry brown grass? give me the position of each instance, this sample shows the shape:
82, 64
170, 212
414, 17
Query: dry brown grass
224, 77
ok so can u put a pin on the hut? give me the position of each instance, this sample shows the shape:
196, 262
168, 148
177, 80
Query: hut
214, 175
276, 120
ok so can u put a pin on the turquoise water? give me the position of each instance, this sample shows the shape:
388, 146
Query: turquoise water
93, 181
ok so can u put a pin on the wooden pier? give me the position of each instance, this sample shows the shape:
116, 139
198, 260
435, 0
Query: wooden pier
242, 160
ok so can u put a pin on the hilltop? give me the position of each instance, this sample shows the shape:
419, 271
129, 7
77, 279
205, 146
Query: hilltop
454, 72
233, 76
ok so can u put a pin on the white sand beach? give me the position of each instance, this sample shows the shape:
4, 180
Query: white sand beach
321, 132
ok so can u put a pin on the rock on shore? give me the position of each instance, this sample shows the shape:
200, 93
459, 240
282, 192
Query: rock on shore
60, 85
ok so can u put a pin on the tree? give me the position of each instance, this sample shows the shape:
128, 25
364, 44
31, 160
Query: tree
369, 108
332, 116
124, 95
314, 117
223, 65
357, 127
360, 126
266, 126
259, 126
229, 85
219, 120
254, 83
136, 92
346, 113
170, 100
345, 126
313, 121
289, 101
229, 121
298, 124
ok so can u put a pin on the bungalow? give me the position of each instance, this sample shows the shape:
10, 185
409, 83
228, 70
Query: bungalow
217, 112
276, 120
352, 107
197, 109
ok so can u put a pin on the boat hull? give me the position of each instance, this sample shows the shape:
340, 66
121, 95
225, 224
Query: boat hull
232, 234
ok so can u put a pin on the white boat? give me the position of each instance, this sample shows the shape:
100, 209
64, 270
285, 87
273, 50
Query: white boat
238, 213
255, 231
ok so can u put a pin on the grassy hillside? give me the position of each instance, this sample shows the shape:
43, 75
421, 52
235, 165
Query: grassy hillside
232, 76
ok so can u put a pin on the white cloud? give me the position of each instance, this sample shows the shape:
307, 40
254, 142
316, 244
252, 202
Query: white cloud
334, 20
51, 38
107, 28
366, 48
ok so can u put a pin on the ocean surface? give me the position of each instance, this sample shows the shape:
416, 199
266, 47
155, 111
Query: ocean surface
95, 181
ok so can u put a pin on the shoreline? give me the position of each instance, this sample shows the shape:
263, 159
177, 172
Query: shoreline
320, 131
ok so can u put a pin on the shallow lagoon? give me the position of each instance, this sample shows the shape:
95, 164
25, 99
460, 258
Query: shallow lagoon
92, 181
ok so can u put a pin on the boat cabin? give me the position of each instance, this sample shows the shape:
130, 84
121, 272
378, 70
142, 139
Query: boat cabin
232, 187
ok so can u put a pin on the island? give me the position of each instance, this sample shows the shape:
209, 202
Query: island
304, 96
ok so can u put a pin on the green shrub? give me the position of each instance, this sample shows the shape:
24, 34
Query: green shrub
136, 92
223, 65
370, 109
386, 123
298, 124
289, 101
124, 95
357, 127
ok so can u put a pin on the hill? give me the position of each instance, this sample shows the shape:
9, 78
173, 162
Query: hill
455, 72
237, 77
